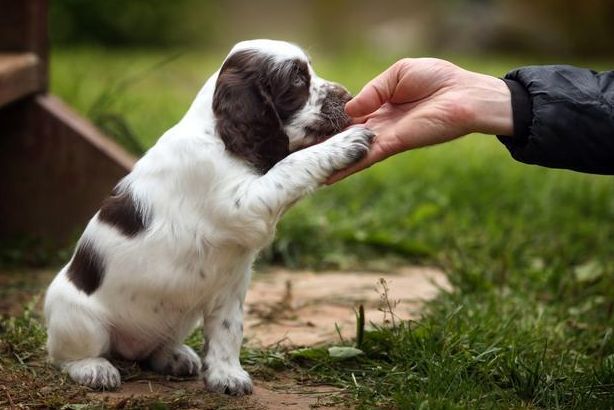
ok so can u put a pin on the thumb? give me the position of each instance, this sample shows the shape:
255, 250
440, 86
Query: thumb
373, 95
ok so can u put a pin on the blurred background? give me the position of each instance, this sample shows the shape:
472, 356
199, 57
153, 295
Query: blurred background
104, 49
561, 28
133, 68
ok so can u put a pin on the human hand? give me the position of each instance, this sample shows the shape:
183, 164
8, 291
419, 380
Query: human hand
426, 101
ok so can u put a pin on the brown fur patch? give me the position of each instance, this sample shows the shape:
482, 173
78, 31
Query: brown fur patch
121, 211
86, 270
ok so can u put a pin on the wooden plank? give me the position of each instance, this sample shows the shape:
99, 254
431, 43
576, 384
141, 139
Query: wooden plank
55, 169
81, 128
19, 76
23, 28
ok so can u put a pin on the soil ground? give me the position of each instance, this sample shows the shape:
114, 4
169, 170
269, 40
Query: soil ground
289, 308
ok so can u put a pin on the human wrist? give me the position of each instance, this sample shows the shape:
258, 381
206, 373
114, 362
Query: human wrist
491, 104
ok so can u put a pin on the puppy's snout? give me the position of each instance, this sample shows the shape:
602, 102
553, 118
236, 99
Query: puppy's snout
333, 107
340, 93
332, 118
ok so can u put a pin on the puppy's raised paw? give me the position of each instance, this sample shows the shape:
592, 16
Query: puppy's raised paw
96, 372
351, 145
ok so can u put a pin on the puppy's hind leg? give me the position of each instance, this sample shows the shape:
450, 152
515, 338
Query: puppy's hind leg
178, 360
95, 372
76, 342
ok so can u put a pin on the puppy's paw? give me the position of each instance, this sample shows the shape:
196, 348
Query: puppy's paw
228, 380
96, 372
351, 146
179, 361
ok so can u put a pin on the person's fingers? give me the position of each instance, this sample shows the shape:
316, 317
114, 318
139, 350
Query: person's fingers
373, 95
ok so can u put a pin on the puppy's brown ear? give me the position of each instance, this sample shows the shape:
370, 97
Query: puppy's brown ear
246, 118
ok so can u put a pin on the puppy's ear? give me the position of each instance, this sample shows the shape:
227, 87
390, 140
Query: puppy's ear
246, 118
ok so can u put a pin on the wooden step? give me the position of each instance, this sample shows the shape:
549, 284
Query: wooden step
19, 76
55, 170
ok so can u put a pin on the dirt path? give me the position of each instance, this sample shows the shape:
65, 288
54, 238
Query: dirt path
302, 308
284, 393
290, 308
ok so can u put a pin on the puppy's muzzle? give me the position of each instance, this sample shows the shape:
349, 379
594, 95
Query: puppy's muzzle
332, 118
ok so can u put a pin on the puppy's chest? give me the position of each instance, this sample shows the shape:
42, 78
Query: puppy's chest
188, 280
156, 302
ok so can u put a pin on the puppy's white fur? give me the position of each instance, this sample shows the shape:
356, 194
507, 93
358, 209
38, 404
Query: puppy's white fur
209, 215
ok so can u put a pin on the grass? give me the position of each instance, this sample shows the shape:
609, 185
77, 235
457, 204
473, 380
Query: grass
27, 381
530, 321
480, 351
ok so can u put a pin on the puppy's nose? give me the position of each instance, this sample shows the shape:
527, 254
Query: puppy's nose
333, 107
339, 92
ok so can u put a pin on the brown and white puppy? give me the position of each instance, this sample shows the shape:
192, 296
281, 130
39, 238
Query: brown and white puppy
175, 242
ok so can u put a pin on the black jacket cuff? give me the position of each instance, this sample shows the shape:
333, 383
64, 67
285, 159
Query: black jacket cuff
522, 110
562, 118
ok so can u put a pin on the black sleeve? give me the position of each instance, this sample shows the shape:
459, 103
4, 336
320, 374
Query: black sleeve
563, 118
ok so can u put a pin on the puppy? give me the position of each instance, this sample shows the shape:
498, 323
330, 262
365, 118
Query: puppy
175, 241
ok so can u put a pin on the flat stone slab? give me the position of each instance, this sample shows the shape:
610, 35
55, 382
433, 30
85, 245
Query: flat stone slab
302, 308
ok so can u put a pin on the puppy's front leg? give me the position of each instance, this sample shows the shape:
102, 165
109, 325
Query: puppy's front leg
303, 171
224, 334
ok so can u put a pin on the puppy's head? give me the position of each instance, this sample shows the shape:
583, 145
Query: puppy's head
268, 102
